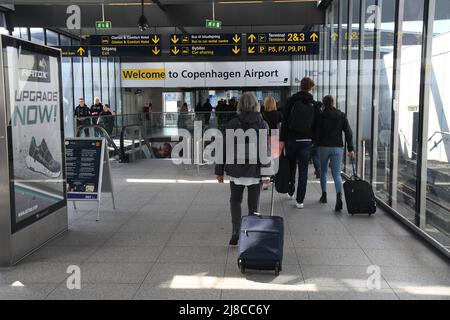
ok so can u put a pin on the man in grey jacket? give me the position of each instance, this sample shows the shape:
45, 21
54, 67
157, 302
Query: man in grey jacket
244, 174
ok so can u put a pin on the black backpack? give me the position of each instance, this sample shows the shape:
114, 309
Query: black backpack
302, 117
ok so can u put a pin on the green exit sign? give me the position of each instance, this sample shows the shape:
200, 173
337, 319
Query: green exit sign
103, 24
213, 24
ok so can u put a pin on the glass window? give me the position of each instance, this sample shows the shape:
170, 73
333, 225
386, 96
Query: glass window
365, 87
112, 84
352, 80
334, 48
104, 81
65, 41
68, 99
37, 35
88, 86
77, 79
342, 64
118, 86
383, 99
404, 189
438, 181
52, 38
96, 81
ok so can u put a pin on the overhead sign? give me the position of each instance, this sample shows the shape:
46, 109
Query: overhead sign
125, 51
75, 51
125, 40
201, 45
142, 45
285, 43
103, 25
206, 74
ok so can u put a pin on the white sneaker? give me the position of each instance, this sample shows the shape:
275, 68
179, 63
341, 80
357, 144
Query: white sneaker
300, 205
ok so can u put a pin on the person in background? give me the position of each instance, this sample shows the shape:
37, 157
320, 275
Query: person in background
207, 109
96, 109
106, 119
332, 123
183, 116
247, 175
272, 116
297, 131
82, 114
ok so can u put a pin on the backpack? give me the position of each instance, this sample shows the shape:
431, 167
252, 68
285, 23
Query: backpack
302, 117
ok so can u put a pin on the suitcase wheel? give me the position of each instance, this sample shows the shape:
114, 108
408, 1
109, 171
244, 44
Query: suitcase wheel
277, 268
241, 266
242, 269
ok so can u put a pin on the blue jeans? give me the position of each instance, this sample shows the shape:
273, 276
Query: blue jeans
333, 156
298, 154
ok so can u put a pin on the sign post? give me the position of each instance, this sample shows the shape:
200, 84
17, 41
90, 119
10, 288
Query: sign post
284, 43
201, 45
88, 171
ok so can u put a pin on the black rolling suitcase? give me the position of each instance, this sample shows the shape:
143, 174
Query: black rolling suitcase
359, 195
261, 242
282, 176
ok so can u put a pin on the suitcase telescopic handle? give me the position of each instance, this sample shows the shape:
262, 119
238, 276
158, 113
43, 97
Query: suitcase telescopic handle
273, 196
355, 174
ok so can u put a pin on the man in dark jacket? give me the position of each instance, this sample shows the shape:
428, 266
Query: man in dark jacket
82, 114
207, 109
96, 109
248, 175
297, 132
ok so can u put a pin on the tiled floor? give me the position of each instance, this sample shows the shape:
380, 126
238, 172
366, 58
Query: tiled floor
168, 240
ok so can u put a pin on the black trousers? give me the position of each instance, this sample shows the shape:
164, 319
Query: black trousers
237, 192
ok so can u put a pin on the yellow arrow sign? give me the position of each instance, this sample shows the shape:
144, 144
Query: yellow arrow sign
334, 36
175, 39
314, 37
236, 38
156, 51
251, 50
175, 50
155, 39
236, 50
80, 51
252, 38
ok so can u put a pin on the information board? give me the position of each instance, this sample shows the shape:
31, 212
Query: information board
201, 45
284, 43
84, 163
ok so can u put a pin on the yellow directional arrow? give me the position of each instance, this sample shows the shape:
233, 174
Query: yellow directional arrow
156, 51
175, 50
175, 39
252, 38
334, 36
314, 37
251, 50
236, 50
155, 39
236, 38
80, 51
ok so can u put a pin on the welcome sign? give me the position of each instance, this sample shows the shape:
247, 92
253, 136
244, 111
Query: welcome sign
206, 74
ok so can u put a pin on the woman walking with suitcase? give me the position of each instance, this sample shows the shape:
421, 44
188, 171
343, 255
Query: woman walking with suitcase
246, 175
332, 123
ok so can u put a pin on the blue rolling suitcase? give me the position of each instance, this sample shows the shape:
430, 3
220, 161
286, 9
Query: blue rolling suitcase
261, 242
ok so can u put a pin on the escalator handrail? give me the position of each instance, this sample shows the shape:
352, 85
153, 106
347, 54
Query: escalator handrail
105, 134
